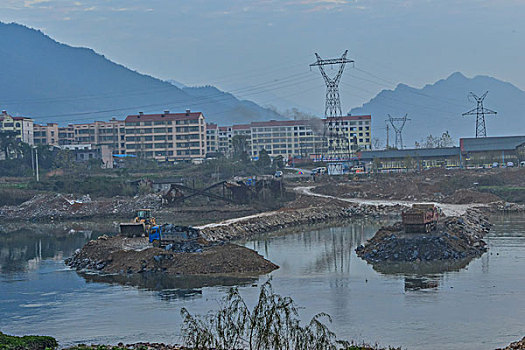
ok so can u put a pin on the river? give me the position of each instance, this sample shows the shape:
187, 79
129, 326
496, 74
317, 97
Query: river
480, 306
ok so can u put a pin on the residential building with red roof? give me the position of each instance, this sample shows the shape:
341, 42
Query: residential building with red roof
167, 136
22, 126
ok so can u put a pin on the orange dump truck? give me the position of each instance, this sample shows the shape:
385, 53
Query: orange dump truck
420, 218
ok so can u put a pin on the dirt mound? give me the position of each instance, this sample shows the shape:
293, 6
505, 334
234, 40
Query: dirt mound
133, 255
456, 238
466, 196
60, 206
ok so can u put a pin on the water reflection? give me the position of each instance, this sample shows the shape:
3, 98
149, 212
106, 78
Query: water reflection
169, 286
24, 246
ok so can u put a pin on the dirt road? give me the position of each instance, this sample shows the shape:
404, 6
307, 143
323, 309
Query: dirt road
448, 209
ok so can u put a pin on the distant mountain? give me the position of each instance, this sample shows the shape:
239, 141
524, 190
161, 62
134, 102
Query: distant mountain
437, 108
54, 82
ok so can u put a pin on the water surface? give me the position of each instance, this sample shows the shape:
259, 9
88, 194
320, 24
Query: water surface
480, 306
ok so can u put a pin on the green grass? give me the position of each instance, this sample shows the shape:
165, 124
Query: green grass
28, 342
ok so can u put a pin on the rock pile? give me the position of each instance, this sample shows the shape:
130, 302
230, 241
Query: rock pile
455, 238
285, 218
517, 345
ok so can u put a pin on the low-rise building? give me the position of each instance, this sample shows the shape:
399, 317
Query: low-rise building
485, 151
87, 152
418, 158
22, 126
46, 134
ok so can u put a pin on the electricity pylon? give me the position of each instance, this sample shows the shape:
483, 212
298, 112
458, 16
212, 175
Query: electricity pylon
479, 112
337, 142
398, 129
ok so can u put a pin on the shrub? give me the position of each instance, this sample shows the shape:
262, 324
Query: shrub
28, 342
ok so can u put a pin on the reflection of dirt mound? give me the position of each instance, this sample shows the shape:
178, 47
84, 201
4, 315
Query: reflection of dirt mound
172, 287
466, 196
420, 268
123, 255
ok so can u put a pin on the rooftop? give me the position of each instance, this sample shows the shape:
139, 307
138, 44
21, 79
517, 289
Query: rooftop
413, 153
500, 143
159, 117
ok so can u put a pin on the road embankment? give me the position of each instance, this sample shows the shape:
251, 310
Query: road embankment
263, 223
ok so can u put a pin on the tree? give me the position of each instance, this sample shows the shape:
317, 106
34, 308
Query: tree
264, 159
10, 145
446, 140
278, 162
240, 146
377, 143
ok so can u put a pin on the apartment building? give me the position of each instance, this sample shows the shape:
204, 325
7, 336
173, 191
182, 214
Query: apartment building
22, 126
287, 138
46, 134
212, 138
167, 136
110, 133
349, 132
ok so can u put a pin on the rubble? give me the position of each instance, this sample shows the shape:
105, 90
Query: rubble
456, 238
517, 345
122, 255
285, 218
44, 207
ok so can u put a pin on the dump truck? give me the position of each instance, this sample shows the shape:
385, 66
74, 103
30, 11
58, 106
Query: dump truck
163, 235
141, 225
420, 218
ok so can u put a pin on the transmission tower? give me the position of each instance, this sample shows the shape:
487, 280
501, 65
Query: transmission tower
398, 128
333, 101
479, 112
337, 142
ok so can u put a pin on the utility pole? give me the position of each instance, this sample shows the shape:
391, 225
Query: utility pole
398, 129
387, 135
337, 142
479, 112
36, 156
32, 161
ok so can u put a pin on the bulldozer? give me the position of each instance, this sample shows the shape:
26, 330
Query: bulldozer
141, 225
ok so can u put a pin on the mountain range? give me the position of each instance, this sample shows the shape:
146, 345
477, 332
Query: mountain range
437, 108
54, 82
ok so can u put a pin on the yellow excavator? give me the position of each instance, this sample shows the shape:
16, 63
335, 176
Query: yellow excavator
141, 225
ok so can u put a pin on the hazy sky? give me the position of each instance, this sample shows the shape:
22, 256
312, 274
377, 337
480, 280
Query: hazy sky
260, 49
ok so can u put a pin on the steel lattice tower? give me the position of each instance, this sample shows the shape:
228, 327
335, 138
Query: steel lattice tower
479, 112
398, 129
337, 142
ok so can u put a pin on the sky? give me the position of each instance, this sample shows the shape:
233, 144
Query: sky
261, 49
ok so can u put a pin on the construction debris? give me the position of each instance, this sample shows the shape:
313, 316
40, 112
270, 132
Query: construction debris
455, 238
121, 255
517, 345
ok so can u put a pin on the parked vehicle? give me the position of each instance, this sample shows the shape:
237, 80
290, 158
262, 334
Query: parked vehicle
140, 225
162, 235
420, 218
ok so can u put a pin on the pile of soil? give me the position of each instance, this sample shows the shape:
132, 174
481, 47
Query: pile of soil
437, 185
123, 255
59, 206
466, 196
455, 238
